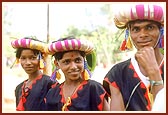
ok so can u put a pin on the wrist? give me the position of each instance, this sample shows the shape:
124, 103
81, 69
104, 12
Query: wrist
155, 83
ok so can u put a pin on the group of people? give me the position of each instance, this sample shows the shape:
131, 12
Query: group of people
131, 85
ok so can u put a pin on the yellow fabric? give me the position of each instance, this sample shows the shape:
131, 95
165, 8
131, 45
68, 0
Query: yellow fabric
58, 75
41, 63
129, 43
86, 75
68, 102
150, 98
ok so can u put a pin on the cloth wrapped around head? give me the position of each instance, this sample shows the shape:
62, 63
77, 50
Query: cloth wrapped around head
75, 44
138, 12
30, 43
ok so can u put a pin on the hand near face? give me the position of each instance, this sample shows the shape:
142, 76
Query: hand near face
147, 61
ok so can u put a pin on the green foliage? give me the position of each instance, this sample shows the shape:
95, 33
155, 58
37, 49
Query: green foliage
106, 43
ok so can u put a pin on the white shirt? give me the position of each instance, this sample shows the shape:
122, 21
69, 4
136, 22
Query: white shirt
159, 104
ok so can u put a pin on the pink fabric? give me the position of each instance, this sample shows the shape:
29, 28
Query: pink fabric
79, 44
16, 43
73, 44
51, 47
23, 43
140, 11
158, 13
67, 44
58, 46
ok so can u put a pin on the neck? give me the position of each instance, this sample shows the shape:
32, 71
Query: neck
73, 82
34, 75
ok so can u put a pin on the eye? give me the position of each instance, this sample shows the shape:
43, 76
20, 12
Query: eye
33, 58
135, 29
66, 62
22, 58
78, 60
149, 27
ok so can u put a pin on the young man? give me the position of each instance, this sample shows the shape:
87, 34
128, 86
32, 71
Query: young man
132, 84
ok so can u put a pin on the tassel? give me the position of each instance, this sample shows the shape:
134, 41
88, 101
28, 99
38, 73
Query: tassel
123, 45
161, 39
15, 62
161, 42
41, 64
41, 61
55, 75
68, 102
129, 44
58, 75
86, 75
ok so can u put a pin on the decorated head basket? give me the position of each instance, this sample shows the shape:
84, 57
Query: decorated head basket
30, 43
138, 12
75, 44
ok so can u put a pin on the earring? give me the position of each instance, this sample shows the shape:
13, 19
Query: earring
86, 73
41, 60
126, 44
55, 75
161, 39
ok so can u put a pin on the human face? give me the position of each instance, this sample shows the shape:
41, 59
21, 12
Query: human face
144, 34
29, 61
72, 65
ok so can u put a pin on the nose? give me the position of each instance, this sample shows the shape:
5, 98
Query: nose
73, 65
143, 33
28, 61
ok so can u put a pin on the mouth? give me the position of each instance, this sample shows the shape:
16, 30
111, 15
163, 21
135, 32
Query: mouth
144, 43
74, 72
28, 68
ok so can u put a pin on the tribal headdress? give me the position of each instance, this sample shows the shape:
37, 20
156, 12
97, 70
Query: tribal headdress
141, 11
75, 44
31, 43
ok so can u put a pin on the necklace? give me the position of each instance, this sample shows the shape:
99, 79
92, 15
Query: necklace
68, 95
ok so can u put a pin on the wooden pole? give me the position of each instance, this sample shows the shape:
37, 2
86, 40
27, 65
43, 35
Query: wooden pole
47, 58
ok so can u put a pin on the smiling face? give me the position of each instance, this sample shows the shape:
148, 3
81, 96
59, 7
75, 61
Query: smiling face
72, 65
29, 61
144, 34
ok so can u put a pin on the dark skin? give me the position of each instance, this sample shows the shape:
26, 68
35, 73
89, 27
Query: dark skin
71, 65
145, 37
30, 64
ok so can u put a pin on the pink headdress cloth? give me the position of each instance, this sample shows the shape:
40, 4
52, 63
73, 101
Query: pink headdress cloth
141, 11
67, 45
28, 43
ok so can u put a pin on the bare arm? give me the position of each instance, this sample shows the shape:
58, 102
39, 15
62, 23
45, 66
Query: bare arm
106, 106
116, 103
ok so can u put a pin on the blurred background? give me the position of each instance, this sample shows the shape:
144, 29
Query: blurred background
51, 21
